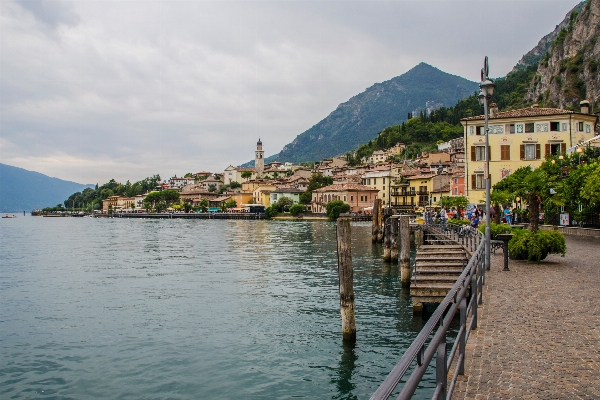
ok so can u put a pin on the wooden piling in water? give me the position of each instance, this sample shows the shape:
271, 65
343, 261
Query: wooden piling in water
376, 224
404, 240
346, 276
387, 242
394, 238
380, 220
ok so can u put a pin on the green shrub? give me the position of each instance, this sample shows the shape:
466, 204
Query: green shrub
496, 229
297, 209
456, 221
334, 208
271, 211
536, 246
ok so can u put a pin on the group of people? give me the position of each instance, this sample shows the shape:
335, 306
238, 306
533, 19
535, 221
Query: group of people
474, 215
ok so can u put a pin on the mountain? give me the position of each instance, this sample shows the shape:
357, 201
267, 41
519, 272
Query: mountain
569, 71
534, 56
23, 190
362, 117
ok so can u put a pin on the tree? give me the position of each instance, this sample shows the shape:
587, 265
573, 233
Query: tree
203, 205
212, 187
187, 206
284, 203
296, 209
591, 189
334, 208
246, 175
460, 202
231, 204
235, 185
497, 198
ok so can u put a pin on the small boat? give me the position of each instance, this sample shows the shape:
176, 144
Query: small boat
9, 216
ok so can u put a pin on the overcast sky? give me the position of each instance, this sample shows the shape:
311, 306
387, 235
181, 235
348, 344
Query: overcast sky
94, 90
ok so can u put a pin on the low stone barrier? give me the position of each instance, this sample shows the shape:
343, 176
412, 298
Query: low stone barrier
573, 230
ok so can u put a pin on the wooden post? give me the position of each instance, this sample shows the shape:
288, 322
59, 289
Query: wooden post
380, 220
394, 238
346, 279
387, 242
404, 239
376, 220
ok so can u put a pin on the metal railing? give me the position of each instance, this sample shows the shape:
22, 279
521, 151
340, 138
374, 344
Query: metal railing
464, 297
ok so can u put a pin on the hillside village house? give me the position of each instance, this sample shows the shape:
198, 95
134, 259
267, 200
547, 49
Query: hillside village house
359, 197
379, 179
178, 183
289, 192
519, 138
234, 174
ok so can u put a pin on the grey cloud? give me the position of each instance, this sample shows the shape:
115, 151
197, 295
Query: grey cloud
51, 12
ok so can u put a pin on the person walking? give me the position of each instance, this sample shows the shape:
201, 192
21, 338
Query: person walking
443, 218
508, 215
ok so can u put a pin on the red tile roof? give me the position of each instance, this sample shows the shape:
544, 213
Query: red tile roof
522, 112
342, 187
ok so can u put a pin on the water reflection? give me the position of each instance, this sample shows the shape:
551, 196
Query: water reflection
346, 368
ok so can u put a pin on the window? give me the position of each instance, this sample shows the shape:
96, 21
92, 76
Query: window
529, 127
510, 128
480, 130
456, 191
554, 126
477, 181
384, 183
344, 197
530, 151
351, 198
555, 149
455, 181
479, 153
580, 126
374, 181
505, 152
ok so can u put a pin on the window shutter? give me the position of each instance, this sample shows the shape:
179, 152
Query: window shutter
522, 152
489, 154
563, 147
547, 150
538, 151
473, 182
473, 157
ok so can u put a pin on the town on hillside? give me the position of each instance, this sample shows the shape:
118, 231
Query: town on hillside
517, 138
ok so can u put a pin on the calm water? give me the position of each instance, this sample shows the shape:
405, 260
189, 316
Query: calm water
129, 309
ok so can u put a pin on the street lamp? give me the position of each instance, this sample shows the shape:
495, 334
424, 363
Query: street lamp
486, 92
579, 151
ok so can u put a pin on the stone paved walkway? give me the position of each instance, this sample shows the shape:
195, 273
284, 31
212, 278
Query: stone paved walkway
539, 329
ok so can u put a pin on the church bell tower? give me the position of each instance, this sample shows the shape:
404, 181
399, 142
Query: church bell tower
259, 160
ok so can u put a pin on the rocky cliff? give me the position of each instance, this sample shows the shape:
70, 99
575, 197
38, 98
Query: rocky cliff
569, 71
535, 55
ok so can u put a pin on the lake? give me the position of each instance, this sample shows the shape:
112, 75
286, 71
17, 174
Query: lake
188, 309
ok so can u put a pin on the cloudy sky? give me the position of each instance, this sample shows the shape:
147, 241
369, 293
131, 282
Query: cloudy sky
94, 90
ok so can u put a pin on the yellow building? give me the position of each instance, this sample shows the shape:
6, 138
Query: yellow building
519, 138
422, 190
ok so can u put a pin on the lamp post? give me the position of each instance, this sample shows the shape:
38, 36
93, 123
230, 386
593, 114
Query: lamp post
579, 151
486, 92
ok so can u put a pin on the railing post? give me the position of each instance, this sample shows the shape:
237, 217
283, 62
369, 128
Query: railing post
462, 344
441, 372
474, 292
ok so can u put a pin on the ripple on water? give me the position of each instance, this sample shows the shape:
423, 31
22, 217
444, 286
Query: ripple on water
192, 308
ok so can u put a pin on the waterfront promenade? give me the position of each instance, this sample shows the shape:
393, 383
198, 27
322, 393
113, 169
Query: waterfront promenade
539, 329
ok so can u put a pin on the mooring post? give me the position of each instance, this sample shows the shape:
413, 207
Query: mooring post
376, 221
380, 221
387, 243
394, 238
404, 239
346, 279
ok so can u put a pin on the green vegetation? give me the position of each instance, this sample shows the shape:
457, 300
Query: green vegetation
284, 204
535, 246
160, 201
92, 198
297, 209
334, 208
316, 181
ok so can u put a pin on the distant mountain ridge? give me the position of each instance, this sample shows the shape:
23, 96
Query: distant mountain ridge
362, 117
23, 190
